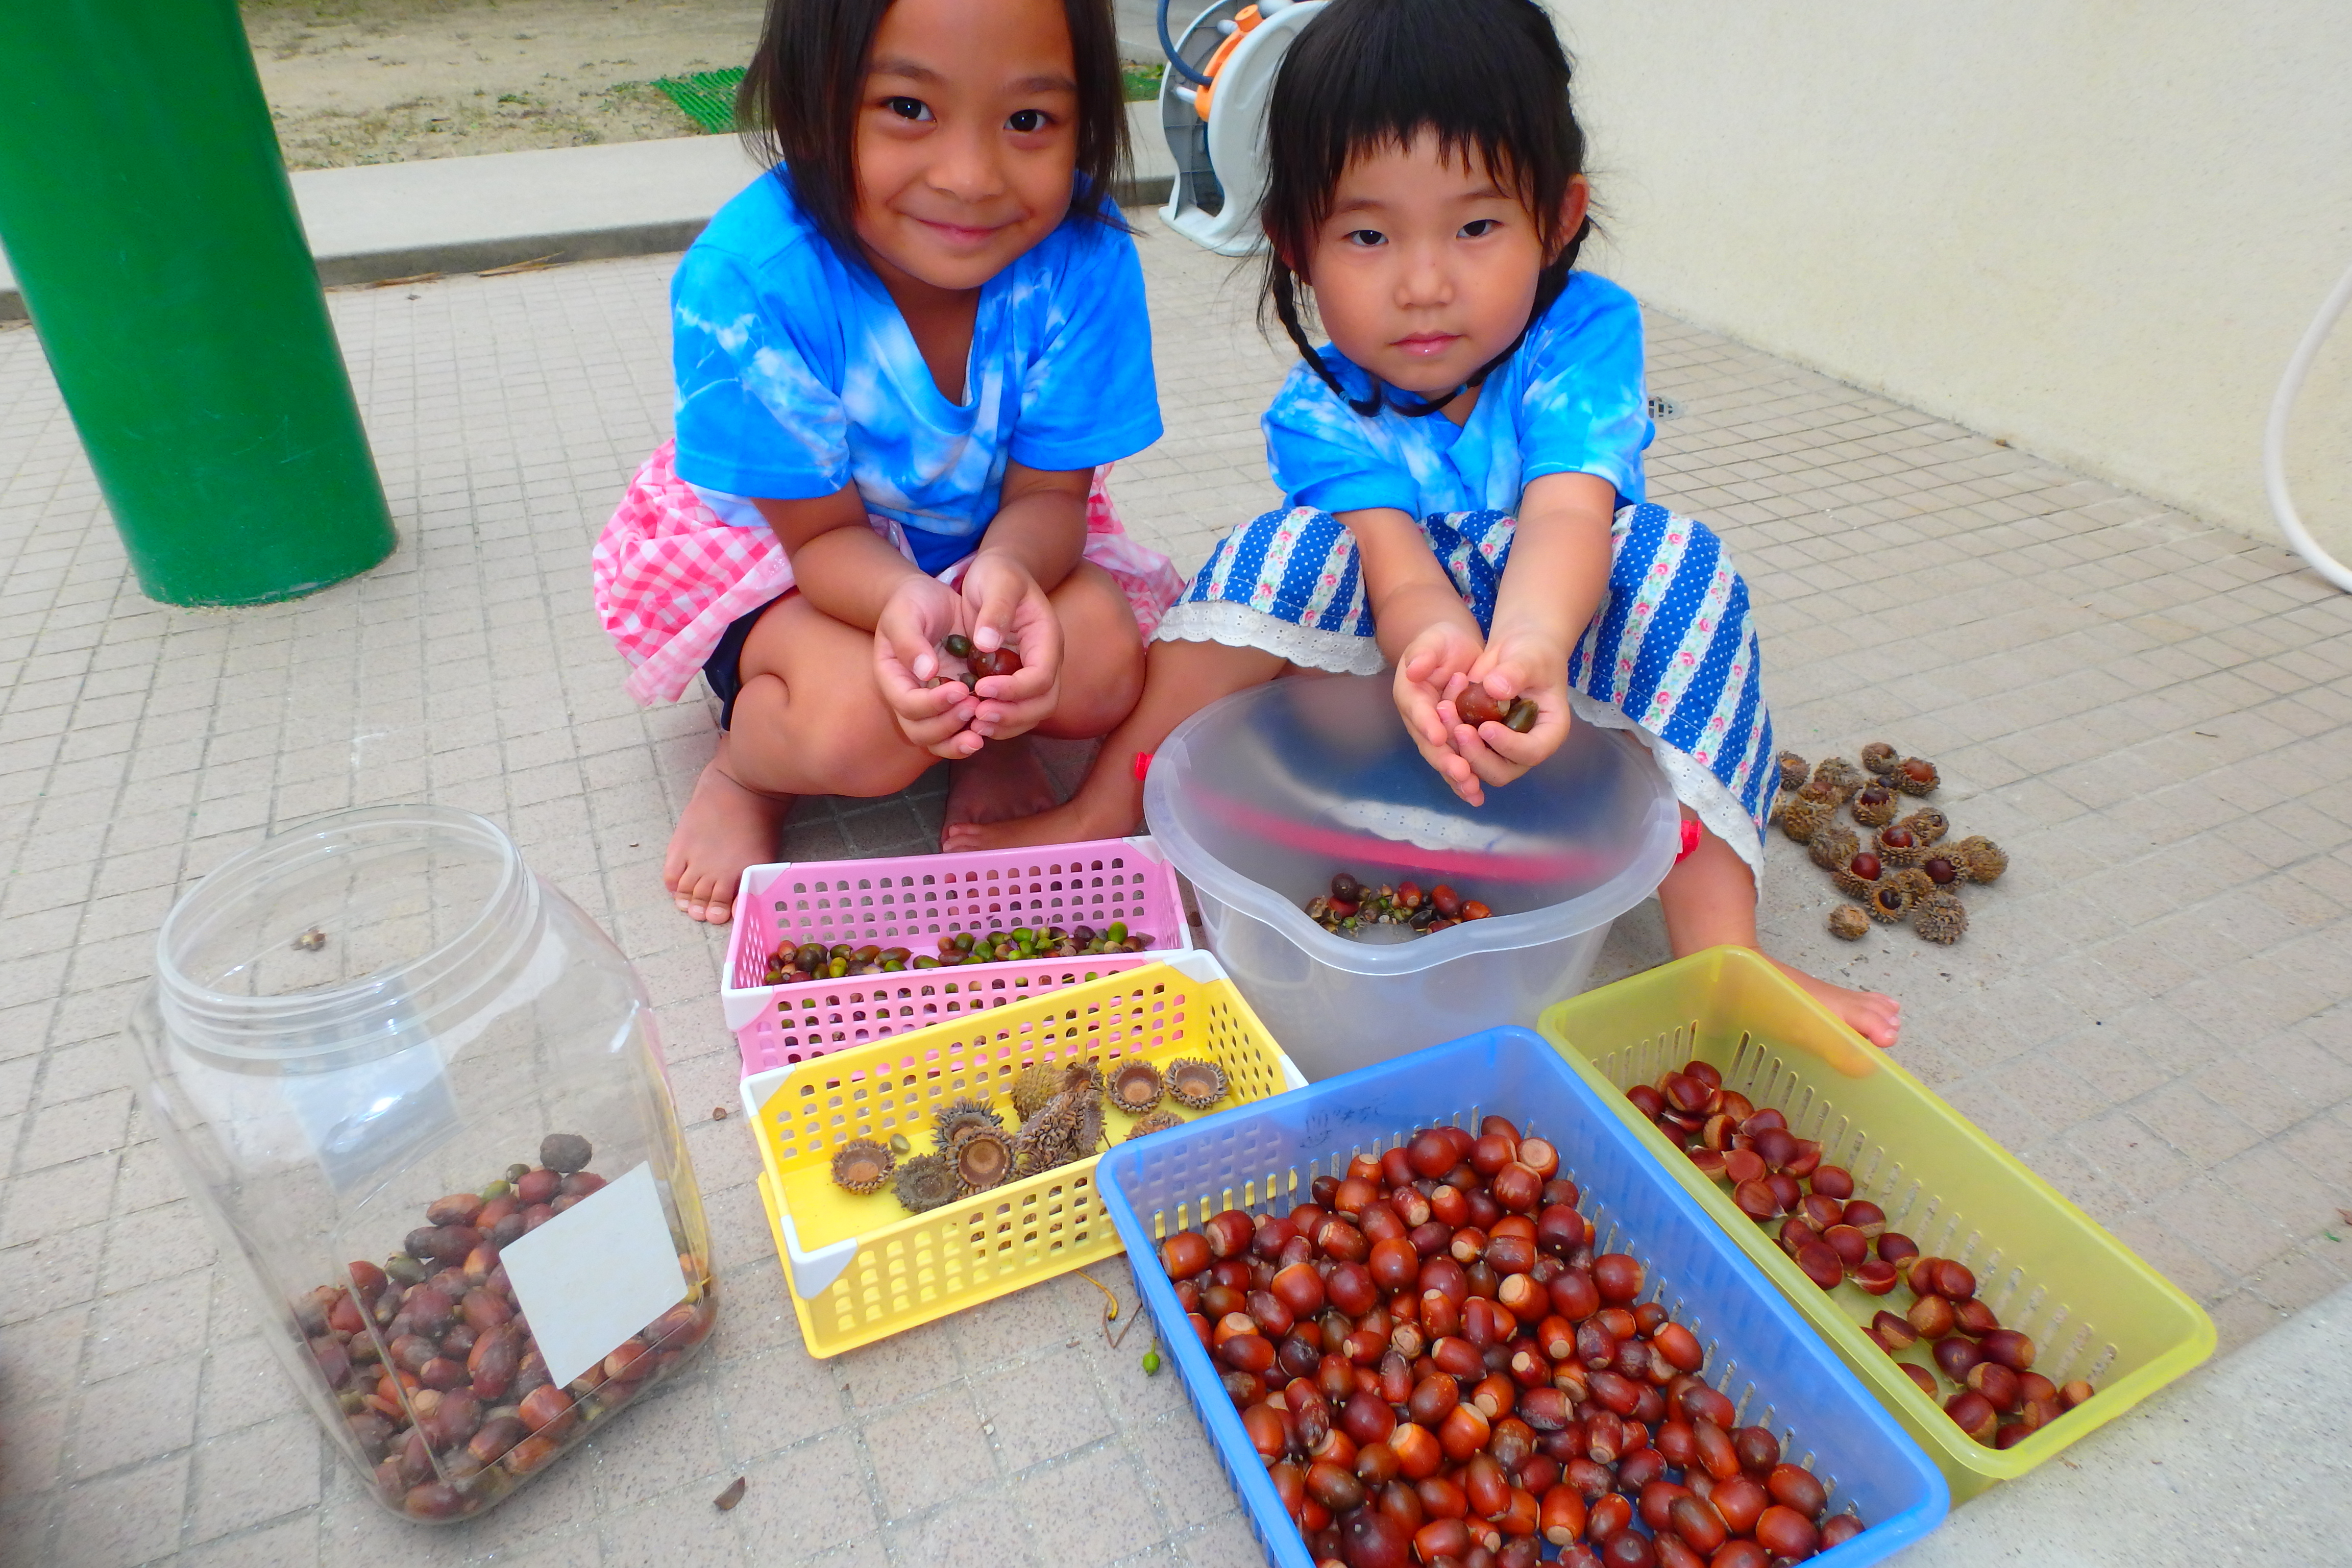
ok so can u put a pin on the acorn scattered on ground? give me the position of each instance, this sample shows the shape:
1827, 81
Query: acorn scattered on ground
1802, 818
1848, 922
1793, 770
1940, 917
1881, 758
1832, 844
1904, 871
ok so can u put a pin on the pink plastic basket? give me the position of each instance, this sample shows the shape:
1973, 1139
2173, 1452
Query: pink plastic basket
913, 900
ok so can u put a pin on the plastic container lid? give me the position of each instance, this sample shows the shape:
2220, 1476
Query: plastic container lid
1261, 797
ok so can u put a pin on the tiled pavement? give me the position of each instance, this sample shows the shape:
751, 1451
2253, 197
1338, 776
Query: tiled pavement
2155, 717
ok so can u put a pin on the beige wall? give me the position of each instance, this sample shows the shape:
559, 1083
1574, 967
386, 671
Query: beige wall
2095, 229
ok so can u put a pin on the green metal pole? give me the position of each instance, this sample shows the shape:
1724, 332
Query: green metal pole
146, 213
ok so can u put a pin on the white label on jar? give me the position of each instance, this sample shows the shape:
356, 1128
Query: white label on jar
596, 1273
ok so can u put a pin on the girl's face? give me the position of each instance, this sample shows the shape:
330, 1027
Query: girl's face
1427, 267
967, 137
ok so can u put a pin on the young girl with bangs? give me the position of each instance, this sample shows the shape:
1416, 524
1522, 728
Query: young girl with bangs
903, 358
1462, 464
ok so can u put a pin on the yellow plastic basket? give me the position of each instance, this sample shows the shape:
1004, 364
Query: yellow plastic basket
2093, 1308
862, 1269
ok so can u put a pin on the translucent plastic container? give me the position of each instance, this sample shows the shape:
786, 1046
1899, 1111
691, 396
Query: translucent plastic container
417, 1094
1761, 1354
1261, 797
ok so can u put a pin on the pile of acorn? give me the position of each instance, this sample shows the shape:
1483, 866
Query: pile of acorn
437, 1373
815, 961
1835, 1237
978, 663
1905, 871
1433, 1367
1352, 905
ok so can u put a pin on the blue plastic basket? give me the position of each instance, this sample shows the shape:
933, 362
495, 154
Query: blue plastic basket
1759, 1352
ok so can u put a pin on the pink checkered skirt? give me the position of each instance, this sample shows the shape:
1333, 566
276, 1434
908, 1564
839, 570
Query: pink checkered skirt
670, 577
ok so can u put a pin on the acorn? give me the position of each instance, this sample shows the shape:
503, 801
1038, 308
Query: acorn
1940, 870
1044, 1143
1195, 1083
1915, 775
1840, 775
1793, 771
1928, 824
1889, 902
1858, 875
861, 1166
1821, 792
1881, 758
1873, 805
1898, 846
1978, 859
1802, 818
1158, 1121
1833, 844
1940, 918
1135, 1086
1033, 1087
1848, 922
984, 1160
960, 1118
925, 1182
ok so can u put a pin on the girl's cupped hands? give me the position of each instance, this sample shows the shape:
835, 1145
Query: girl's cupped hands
1441, 664
999, 604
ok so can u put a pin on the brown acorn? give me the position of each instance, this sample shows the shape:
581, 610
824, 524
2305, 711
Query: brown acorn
1915, 775
1881, 758
1848, 922
1940, 918
1898, 846
1858, 875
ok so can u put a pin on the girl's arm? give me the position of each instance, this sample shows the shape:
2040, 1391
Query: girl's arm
1560, 566
1422, 625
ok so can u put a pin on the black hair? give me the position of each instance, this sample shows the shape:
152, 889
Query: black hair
1487, 78
798, 99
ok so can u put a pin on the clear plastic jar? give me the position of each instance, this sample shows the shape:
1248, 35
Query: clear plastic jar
419, 1094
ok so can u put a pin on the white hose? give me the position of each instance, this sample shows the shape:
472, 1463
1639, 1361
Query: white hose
2274, 441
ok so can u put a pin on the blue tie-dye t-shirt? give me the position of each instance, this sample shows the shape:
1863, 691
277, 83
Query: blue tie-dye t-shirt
796, 373
1570, 401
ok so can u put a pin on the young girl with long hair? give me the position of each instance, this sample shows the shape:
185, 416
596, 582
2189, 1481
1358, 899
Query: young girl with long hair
1462, 464
903, 358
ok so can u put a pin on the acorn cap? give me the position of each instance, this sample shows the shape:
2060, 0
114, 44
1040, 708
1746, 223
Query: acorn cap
1136, 1088
1034, 1086
1928, 825
925, 1182
862, 1165
1918, 883
1848, 922
1891, 854
1881, 758
1854, 886
1875, 805
1940, 918
1803, 818
1833, 844
1042, 1144
1889, 902
958, 1118
1840, 775
1793, 771
984, 1160
1195, 1083
1158, 1121
1978, 859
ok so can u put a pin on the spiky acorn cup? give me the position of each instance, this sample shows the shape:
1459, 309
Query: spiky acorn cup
1793, 770
1915, 775
1158, 1121
1873, 805
1195, 1083
1913, 880
984, 1160
1978, 859
1803, 818
1848, 922
924, 1183
1881, 758
1135, 1086
862, 1165
1889, 902
1840, 775
1833, 844
1940, 918
1858, 877
1927, 825
959, 1116
1898, 846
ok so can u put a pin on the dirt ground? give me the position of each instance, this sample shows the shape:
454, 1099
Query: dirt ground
380, 81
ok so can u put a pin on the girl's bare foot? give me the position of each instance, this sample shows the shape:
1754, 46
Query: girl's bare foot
725, 827
1081, 819
1875, 1016
1002, 782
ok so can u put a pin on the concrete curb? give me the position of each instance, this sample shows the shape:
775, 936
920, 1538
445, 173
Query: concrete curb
562, 203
